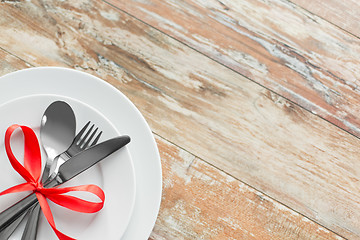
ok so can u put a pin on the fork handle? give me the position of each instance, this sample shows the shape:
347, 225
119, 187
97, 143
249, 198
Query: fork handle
30, 230
32, 223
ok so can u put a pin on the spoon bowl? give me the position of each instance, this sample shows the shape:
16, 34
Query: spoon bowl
57, 129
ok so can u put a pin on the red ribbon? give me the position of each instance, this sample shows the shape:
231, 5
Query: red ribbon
31, 172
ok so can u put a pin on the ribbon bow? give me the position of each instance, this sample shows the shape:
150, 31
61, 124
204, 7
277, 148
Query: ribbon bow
31, 172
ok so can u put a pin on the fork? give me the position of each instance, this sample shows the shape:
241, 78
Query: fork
81, 142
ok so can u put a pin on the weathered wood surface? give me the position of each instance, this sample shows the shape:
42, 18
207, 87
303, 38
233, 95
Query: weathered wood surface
344, 14
224, 129
190, 205
274, 43
10, 63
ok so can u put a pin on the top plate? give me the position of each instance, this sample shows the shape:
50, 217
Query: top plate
91, 90
115, 174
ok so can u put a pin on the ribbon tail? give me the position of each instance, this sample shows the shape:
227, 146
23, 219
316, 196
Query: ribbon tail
18, 188
49, 217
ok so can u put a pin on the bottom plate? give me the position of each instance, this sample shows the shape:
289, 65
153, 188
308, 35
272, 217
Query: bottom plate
115, 174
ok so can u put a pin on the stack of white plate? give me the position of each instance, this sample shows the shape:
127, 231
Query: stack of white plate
131, 178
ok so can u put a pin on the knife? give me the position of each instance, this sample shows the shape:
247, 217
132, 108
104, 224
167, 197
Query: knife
71, 168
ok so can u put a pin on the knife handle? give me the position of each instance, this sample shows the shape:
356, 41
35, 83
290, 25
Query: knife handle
8, 231
10, 214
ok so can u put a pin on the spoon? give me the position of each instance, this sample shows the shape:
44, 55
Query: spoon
57, 131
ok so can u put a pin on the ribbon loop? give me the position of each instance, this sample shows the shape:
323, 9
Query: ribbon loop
31, 172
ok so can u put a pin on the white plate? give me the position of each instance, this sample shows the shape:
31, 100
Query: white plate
115, 174
121, 112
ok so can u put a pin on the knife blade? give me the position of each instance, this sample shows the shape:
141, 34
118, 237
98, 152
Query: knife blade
88, 158
71, 168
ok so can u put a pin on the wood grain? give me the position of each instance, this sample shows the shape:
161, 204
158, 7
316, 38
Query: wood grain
10, 63
345, 14
190, 206
192, 193
274, 43
211, 111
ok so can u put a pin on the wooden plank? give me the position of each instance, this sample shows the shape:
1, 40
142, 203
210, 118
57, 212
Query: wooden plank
201, 106
10, 63
345, 14
275, 43
201, 202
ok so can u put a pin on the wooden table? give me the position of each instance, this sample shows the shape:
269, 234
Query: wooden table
255, 105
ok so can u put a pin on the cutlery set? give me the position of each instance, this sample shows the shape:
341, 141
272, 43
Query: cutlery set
67, 156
